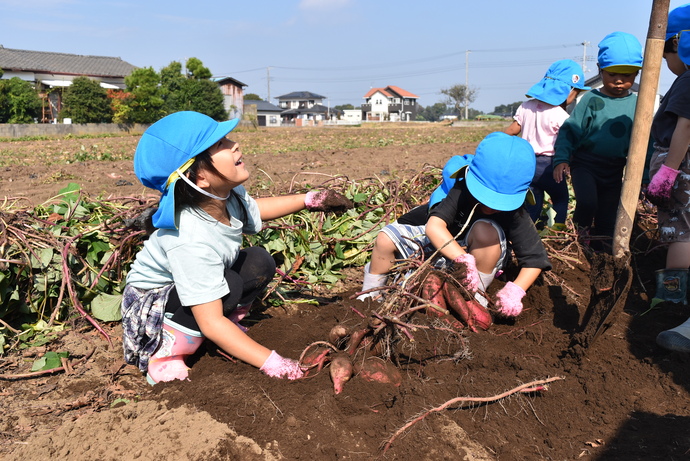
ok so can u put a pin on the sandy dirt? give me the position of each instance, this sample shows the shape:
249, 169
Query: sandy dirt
622, 398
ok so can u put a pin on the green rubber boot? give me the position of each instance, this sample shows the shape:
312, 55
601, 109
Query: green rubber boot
671, 285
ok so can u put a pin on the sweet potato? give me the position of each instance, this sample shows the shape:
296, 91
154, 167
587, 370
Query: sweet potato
432, 291
315, 358
470, 312
355, 339
341, 371
378, 370
337, 335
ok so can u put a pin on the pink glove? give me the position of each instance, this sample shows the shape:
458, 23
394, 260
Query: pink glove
238, 314
465, 271
659, 189
276, 366
508, 300
327, 200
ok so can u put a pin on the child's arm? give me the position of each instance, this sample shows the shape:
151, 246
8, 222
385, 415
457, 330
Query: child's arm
228, 336
439, 235
514, 129
323, 200
661, 185
277, 207
679, 143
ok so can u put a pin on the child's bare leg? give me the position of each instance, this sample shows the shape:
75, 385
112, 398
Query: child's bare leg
678, 255
483, 243
376, 271
383, 254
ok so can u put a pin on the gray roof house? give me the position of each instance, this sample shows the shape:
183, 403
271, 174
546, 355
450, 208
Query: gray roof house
50, 70
303, 107
267, 114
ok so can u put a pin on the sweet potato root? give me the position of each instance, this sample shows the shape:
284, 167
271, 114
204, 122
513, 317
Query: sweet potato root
337, 335
470, 312
378, 370
341, 371
315, 358
432, 291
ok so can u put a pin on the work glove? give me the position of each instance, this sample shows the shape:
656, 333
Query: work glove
659, 189
276, 366
508, 300
327, 200
464, 270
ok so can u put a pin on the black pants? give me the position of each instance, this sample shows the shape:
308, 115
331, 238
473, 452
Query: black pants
247, 278
597, 184
543, 182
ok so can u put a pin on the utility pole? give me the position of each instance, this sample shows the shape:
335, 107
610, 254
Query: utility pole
467, 81
268, 83
584, 57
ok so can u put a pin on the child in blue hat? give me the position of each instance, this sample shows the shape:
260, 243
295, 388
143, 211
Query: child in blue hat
592, 145
472, 226
538, 121
192, 280
669, 169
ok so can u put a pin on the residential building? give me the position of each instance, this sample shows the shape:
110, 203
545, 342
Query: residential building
267, 114
50, 72
390, 103
303, 108
233, 95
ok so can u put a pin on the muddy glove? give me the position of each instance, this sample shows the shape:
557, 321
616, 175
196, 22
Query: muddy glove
327, 200
464, 270
276, 366
508, 300
659, 189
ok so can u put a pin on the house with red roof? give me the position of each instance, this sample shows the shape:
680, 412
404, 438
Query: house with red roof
391, 103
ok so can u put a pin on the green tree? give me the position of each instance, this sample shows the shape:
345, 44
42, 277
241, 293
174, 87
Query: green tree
85, 101
433, 113
196, 70
506, 109
459, 96
252, 97
146, 104
344, 107
19, 102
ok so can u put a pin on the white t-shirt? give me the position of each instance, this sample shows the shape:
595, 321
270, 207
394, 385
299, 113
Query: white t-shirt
195, 255
539, 124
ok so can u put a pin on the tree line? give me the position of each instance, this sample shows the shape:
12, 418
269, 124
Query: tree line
148, 97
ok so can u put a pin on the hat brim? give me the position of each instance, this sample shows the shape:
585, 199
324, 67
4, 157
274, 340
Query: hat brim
492, 199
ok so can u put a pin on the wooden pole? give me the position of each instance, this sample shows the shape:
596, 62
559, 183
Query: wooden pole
644, 113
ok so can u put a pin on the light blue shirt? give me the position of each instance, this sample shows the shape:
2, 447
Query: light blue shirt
194, 256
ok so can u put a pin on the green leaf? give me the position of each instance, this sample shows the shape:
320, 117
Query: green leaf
70, 193
106, 307
49, 361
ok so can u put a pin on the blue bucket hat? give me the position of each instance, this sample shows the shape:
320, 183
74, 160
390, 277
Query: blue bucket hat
501, 171
561, 77
621, 50
678, 20
170, 145
679, 24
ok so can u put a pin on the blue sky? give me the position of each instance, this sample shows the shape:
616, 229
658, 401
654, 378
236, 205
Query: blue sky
338, 48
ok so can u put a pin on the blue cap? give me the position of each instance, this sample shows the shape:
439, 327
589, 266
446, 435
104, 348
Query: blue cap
561, 77
501, 172
678, 20
166, 146
620, 49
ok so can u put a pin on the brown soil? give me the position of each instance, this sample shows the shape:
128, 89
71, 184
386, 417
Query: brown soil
621, 398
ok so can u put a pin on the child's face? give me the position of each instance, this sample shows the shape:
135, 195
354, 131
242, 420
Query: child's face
227, 158
617, 85
673, 62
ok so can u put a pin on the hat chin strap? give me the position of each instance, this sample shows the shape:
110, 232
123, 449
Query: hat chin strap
199, 189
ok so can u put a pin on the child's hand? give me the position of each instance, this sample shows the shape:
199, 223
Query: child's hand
661, 185
276, 366
508, 300
464, 270
327, 200
560, 172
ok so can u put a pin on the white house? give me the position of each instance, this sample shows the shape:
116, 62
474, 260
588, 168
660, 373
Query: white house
389, 103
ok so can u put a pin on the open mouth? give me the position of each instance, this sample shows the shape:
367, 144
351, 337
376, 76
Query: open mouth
238, 162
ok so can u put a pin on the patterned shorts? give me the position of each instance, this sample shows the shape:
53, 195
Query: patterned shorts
674, 222
410, 241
